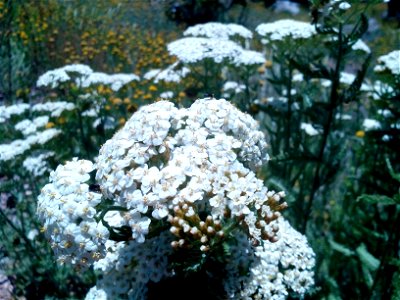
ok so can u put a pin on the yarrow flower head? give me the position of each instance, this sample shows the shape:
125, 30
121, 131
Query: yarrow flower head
172, 179
54, 77
196, 49
218, 31
83, 77
66, 208
282, 29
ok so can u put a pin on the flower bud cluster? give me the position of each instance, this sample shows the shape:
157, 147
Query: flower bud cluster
66, 208
191, 230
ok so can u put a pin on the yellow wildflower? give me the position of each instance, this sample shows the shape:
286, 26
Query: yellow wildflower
268, 64
121, 121
116, 101
360, 133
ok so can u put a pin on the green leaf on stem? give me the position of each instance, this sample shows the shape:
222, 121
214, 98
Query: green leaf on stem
367, 259
376, 199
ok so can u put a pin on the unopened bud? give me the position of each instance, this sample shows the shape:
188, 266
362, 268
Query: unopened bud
204, 248
186, 227
204, 239
217, 225
202, 225
282, 194
210, 230
194, 230
174, 230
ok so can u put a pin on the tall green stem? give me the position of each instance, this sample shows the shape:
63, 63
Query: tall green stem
333, 101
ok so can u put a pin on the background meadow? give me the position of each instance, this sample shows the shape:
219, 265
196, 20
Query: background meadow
322, 79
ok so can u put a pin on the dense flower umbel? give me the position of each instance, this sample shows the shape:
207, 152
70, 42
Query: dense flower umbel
66, 208
84, 77
282, 29
196, 49
177, 163
173, 179
218, 31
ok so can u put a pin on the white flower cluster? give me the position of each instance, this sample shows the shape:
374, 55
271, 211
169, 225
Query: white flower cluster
278, 269
115, 81
344, 5
54, 77
169, 161
286, 28
233, 86
18, 147
6, 112
170, 74
120, 280
55, 108
309, 129
371, 124
167, 95
37, 165
171, 179
361, 45
66, 207
389, 62
84, 77
218, 31
196, 49
345, 78
28, 127
249, 58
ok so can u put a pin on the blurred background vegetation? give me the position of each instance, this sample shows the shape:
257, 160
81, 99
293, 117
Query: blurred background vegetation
342, 185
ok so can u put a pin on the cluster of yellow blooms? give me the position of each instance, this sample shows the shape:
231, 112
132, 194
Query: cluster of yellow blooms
53, 34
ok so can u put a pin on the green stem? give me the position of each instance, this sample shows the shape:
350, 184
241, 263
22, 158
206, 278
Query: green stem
20, 233
334, 96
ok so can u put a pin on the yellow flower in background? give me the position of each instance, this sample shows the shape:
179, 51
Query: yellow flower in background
121, 121
147, 96
116, 101
23, 35
49, 125
360, 133
152, 88
268, 64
